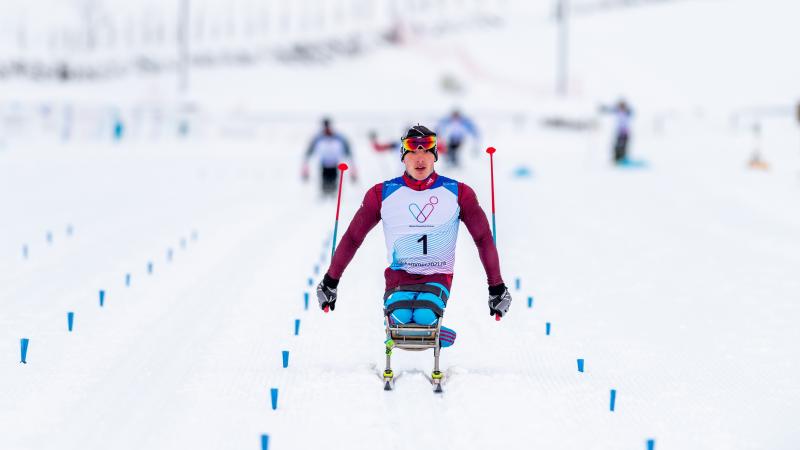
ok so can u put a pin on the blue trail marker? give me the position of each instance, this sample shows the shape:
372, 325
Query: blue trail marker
127, 280
530, 302
149, 268
273, 393
70, 320
169, 255
613, 402
547, 328
25, 251
651, 444
183, 243
517, 283
264, 442
23, 350
305, 301
49, 237
69, 229
580, 364
316, 269
102, 297
296, 327
194, 235
285, 355
310, 281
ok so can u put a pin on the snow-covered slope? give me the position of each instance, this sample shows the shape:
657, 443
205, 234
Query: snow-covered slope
676, 283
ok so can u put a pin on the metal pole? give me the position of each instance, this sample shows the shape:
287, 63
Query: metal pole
562, 77
184, 60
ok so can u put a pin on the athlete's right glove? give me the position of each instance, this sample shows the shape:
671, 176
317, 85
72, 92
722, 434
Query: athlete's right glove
499, 300
326, 293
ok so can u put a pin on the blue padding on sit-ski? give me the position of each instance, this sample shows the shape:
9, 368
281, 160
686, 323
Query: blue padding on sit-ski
421, 316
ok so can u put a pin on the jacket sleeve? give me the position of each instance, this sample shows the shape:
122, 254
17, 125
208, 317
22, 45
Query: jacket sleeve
367, 216
475, 219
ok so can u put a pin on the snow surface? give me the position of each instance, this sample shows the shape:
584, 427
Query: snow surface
676, 283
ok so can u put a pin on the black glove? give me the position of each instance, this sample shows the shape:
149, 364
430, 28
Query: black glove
326, 293
499, 300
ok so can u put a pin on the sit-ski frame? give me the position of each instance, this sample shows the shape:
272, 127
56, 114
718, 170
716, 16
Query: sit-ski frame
413, 337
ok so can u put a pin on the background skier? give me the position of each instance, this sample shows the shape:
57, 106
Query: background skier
331, 148
622, 114
454, 130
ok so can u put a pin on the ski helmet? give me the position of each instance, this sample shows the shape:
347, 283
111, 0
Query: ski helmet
419, 131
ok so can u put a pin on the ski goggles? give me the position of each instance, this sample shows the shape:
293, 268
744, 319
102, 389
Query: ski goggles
423, 142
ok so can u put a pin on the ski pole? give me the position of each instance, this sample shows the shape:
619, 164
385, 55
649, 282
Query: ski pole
342, 168
491, 151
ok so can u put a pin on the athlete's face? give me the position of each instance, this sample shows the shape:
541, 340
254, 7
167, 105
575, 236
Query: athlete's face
419, 163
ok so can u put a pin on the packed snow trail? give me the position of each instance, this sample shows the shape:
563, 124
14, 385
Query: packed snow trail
676, 290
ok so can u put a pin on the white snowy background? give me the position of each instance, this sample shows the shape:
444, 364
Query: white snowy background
678, 283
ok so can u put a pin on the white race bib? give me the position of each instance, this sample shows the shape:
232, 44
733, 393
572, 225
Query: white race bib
421, 227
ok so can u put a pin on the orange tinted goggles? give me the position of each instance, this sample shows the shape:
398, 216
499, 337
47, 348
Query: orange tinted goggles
424, 142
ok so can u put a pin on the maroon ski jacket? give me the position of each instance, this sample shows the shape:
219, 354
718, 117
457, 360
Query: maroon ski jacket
369, 214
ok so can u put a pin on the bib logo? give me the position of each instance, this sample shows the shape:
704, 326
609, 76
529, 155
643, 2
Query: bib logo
422, 214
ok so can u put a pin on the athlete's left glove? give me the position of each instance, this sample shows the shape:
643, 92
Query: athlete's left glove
499, 300
326, 293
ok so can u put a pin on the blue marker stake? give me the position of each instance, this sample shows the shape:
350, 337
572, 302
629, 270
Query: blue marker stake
316, 269
273, 393
23, 349
49, 237
25, 251
264, 442
102, 297
169, 255
285, 355
183, 243
613, 399
547, 328
305, 301
70, 320
651, 444
310, 281
296, 327
69, 230
530, 302
517, 283
149, 268
127, 280
194, 235
580, 365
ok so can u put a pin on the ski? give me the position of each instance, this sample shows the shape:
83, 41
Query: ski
436, 381
388, 380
